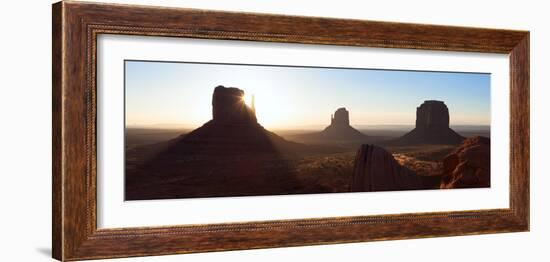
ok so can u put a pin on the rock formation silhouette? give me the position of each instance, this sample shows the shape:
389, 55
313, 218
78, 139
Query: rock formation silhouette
375, 169
228, 106
233, 129
230, 155
432, 126
340, 118
469, 165
340, 128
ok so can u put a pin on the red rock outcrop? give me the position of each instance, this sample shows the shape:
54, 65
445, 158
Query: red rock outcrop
375, 169
432, 126
469, 165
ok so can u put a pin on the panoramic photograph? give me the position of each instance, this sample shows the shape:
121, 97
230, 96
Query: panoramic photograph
197, 130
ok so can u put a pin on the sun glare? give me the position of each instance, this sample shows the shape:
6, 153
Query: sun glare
247, 98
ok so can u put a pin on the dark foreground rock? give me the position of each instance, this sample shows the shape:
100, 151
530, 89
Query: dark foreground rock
469, 165
376, 169
432, 126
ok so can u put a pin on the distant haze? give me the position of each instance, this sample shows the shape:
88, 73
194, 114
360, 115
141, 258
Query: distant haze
178, 95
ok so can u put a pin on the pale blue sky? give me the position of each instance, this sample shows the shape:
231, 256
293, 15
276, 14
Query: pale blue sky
161, 93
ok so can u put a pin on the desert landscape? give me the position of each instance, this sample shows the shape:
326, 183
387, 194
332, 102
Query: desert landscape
234, 155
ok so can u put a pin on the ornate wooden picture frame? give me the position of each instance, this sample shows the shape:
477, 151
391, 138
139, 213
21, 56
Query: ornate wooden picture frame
76, 26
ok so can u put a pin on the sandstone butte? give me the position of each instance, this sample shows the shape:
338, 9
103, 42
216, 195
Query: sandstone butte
432, 126
340, 128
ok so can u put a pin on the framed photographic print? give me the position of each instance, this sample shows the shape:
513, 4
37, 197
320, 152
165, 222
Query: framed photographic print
182, 130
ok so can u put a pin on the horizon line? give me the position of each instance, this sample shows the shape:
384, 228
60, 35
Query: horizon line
300, 126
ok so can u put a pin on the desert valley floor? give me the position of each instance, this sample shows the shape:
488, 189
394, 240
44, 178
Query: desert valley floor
306, 172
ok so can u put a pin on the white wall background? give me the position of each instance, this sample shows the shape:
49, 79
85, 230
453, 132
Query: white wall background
25, 130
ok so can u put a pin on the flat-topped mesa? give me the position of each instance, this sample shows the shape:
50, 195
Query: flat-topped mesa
432, 114
228, 106
432, 126
340, 117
